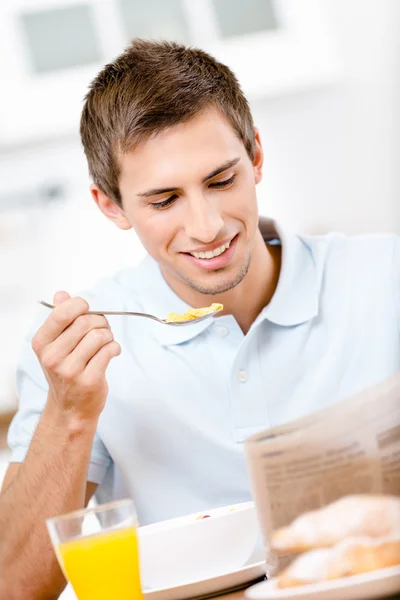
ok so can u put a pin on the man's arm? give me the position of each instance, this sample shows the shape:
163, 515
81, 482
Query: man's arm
51, 481
74, 350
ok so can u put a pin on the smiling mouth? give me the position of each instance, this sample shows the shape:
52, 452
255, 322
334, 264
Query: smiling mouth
210, 254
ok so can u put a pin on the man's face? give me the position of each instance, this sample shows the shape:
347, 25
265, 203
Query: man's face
189, 193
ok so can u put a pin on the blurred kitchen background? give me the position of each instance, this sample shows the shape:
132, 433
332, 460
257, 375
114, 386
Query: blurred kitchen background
322, 77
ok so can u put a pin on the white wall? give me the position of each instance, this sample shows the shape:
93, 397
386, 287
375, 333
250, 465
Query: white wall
330, 163
332, 155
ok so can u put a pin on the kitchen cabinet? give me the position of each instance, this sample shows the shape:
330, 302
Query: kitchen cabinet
51, 49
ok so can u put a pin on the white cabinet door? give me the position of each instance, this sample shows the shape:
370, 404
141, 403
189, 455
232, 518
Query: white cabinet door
51, 49
49, 52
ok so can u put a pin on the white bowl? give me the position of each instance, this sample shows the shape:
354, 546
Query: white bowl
190, 549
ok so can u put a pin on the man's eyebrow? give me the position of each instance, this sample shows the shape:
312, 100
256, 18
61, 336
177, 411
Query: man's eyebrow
222, 168
217, 171
156, 192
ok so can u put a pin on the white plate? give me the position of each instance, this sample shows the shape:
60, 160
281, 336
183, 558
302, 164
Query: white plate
377, 584
254, 569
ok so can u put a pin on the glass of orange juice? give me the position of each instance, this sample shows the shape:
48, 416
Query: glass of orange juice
97, 549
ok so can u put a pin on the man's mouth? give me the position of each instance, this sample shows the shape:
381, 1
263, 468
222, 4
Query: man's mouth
214, 259
211, 253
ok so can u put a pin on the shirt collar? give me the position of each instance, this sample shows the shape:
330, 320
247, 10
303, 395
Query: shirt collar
296, 297
295, 300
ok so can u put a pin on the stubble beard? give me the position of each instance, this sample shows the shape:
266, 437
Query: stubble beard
215, 289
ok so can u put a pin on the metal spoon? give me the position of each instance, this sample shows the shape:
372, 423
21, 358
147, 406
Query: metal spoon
138, 314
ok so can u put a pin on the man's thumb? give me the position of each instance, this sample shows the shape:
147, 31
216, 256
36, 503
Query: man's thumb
60, 297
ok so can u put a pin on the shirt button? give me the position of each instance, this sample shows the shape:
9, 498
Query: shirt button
242, 376
222, 331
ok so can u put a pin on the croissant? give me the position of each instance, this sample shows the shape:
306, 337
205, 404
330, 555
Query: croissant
367, 515
352, 556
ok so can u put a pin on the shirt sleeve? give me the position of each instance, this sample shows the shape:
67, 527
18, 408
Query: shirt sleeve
32, 392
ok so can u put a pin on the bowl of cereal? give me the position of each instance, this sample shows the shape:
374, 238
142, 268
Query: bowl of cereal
197, 546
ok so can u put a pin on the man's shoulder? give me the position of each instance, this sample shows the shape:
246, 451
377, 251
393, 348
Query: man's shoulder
355, 248
326, 247
361, 264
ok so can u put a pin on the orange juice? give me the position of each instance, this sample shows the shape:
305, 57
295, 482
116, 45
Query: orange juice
103, 566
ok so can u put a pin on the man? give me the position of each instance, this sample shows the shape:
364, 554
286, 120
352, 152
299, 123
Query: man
131, 407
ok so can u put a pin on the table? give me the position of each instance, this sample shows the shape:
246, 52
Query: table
240, 596
232, 596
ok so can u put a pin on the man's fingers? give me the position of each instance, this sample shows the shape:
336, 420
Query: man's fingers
94, 340
99, 362
60, 297
69, 339
58, 320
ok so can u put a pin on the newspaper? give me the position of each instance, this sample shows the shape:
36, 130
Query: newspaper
350, 447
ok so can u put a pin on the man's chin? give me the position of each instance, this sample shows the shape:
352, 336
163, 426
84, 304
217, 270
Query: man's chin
221, 282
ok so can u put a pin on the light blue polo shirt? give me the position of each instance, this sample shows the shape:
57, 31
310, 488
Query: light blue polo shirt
182, 400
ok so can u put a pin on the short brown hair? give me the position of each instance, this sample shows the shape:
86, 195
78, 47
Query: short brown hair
151, 86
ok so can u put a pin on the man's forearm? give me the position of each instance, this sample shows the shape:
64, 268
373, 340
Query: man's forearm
51, 481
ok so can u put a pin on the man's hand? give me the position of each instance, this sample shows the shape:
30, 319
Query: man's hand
74, 350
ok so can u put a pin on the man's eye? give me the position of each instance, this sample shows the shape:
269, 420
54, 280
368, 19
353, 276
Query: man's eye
217, 184
164, 203
222, 184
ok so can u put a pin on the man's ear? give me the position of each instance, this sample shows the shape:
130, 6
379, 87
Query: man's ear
258, 157
109, 208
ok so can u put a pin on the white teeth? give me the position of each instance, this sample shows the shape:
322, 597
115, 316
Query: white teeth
211, 253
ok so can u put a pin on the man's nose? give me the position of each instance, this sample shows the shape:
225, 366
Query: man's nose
203, 220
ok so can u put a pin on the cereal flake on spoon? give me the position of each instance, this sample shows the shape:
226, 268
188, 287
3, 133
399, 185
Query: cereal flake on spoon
193, 313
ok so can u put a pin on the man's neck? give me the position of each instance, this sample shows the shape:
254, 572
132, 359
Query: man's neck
248, 298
